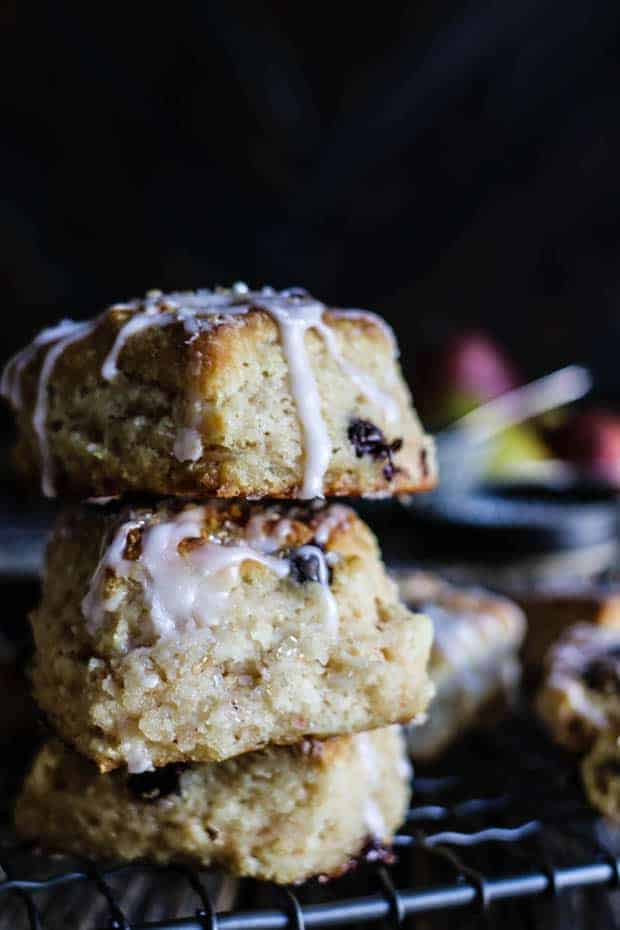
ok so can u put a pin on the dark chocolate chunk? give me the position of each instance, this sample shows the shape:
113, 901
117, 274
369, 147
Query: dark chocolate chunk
305, 566
603, 672
152, 786
368, 439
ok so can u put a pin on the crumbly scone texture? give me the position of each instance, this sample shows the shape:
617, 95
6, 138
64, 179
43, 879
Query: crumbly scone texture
282, 814
600, 770
107, 438
580, 695
270, 670
474, 661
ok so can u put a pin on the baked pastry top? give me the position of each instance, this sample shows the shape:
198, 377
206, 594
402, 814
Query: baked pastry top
281, 814
195, 632
580, 695
474, 662
226, 393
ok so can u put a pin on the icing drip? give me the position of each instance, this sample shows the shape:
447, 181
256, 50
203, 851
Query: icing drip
138, 757
267, 531
188, 445
184, 591
333, 517
360, 379
317, 445
373, 818
187, 590
11, 383
164, 310
294, 311
403, 765
71, 334
93, 607
330, 607
136, 324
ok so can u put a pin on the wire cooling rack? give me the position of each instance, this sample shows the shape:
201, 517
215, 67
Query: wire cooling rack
500, 832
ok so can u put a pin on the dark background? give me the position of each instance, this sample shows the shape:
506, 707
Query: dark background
448, 164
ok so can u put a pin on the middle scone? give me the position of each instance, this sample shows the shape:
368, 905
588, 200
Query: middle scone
177, 632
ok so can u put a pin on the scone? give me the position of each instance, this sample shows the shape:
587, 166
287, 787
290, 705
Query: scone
225, 393
185, 632
282, 814
580, 696
600, 771
553, 609
474, 661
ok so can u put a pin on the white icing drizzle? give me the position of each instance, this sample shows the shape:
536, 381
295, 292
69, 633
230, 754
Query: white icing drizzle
93, 606
364, 383
403, 764
151, 317
330, 607
317, 444
267, 531
71, 333
11, 383
165, 310
188, 445
184, 591
373, 818
295, 312
187, 591
137, 756
333, 517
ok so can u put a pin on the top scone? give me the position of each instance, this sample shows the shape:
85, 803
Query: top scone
225, 393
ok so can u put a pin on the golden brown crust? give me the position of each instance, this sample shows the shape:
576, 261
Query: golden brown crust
118, 437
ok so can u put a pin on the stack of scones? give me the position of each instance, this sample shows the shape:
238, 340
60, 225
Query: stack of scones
219, 652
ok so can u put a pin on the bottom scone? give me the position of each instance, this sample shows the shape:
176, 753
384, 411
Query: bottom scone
601, 775
474, 661
282, 814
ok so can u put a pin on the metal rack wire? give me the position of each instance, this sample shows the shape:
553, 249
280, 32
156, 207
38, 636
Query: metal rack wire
501, 823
